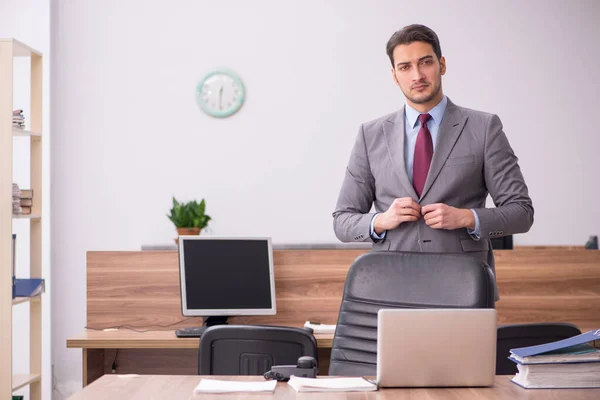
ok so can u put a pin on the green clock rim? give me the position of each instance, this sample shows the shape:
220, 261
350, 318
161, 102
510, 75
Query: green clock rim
237, 105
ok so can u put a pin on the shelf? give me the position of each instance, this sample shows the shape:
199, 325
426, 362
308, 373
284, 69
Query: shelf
23, 132
22, 380
27, 216
20, 300
21, 49
10, 50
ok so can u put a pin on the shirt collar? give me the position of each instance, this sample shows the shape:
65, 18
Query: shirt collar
437, 113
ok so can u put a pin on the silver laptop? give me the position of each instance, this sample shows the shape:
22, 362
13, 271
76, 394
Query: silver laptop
436, 347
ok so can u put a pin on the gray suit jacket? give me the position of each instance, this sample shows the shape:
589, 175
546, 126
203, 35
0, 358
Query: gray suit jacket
472, 158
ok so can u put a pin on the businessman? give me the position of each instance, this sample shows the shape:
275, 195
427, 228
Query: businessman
429, 167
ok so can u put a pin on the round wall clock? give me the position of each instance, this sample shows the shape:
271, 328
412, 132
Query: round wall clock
220, 93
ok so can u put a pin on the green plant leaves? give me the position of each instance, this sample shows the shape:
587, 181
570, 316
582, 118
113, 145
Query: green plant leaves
189, 215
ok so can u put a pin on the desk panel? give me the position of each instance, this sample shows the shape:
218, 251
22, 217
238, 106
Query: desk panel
141, 288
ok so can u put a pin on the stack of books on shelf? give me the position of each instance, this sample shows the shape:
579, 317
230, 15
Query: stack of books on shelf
568, 363
16, 199
18, 119
26, 201
22, 200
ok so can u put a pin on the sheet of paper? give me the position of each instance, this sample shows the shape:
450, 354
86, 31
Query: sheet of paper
320, 328
331, 384
219, 386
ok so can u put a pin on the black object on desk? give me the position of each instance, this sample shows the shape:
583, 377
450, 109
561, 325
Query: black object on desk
194, 332
197, 331
306, 367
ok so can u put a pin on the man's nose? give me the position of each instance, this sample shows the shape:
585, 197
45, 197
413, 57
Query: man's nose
417, 74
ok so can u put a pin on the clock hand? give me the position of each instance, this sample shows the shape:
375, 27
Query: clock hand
221, 98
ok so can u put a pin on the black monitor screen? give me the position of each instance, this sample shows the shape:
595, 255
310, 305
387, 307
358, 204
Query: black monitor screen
228, 276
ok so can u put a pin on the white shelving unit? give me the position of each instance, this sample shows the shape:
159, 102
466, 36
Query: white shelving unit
10, 382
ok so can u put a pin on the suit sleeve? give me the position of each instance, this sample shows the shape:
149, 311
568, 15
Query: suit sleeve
351, 218
505, 183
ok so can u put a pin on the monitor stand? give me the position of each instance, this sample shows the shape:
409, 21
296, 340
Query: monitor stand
199, 330
215, 320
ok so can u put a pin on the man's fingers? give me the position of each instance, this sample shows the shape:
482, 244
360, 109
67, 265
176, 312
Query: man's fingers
401, 209
432, 215
409, 218
435, 222
409, 211
408, 202
430, 207
427, 209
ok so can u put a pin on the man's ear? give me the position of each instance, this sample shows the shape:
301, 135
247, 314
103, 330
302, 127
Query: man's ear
442, 65
394, 77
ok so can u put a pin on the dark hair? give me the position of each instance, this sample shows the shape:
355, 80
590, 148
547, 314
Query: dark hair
413, 33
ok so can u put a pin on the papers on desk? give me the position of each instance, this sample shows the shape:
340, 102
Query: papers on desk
331, 384
218, 386
320, 328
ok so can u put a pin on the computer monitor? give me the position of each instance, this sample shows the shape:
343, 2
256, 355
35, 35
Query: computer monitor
226, 276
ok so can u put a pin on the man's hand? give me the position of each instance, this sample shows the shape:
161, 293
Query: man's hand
441, 216
401, 210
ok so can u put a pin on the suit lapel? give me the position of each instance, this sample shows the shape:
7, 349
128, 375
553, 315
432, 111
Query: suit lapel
450, 129
393, 130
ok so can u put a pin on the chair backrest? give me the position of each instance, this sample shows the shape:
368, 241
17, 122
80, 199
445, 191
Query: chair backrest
525, 335
401, 280
252, 349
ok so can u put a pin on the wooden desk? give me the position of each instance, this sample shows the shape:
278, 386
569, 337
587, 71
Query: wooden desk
140, 289
180, 387
139, 351
126, 339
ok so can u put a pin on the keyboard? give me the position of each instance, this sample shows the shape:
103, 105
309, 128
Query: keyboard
190, 332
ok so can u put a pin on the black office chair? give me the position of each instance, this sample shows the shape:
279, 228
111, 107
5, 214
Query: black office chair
252, 349
502, 243
401, 280
524, 335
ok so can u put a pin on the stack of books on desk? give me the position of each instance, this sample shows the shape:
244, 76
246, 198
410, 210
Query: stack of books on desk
568, 363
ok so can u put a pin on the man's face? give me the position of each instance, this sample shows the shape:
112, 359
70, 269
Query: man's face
418, 73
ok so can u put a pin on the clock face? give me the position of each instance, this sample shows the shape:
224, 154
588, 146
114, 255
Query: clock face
220, 94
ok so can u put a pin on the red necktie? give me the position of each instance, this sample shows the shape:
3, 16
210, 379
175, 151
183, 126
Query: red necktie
423, 154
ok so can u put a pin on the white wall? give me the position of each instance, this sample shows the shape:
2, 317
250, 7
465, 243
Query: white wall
130, 134
29, 22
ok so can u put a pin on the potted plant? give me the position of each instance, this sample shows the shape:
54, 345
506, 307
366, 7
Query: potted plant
189, 218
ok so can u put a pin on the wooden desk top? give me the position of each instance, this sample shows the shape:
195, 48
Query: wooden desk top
143, 387
128, 339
